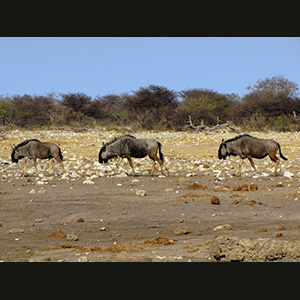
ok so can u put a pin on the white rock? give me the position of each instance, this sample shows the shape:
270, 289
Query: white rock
121, 175
32, 192
88, 181
223, 227
41, 191
16, 230
82, 259
288, 174
140, 193
72, 237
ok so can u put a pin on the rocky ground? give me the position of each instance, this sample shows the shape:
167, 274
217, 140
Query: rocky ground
91, 213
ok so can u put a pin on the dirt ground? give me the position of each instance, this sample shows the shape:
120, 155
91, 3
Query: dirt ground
92, 213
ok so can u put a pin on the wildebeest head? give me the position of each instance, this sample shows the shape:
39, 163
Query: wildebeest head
15, 155
222, 153
104, 155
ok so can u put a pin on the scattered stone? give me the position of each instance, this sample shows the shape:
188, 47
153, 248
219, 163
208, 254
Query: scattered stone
223, 227
102, 228
288, 174
32, 192
261, 230
235, 202
57, 234
16, 230
280, 228
236, 249
253, 187
80, 220
236, 188
88, 181
244, 188
160, 240
196, 186
182, 231
140, 193
121, 175
72, 237
215, 200
83, 259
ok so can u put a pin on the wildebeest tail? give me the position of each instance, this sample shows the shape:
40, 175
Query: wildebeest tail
281, 155
161, 156
60, 155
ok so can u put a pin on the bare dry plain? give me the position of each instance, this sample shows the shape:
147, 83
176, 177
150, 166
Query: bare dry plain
91, 213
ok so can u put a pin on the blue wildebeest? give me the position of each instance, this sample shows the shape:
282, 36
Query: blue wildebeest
127, 146
33, 149
247, 146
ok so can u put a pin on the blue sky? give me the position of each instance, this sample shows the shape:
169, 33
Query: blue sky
102, 65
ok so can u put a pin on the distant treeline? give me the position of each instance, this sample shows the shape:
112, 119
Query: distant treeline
272, 103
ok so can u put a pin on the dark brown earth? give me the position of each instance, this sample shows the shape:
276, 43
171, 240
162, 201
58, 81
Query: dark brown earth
170, 223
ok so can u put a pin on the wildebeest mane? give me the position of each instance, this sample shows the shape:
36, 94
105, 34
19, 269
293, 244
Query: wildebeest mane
117, 138
239, 136
26, 142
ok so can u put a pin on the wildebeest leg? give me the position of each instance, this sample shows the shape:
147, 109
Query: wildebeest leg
120, 159
276, 160
276, 167
154, 157
240, 167
131, 164
61, 163
161, 167
51, 165
35, 165
25, 162
252, 163
153, 165
119, 162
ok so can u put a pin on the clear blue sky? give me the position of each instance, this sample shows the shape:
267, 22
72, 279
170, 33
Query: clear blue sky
103, 65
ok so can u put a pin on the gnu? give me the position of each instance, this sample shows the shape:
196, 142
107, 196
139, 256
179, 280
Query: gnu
127, 146
33, 149
247, 146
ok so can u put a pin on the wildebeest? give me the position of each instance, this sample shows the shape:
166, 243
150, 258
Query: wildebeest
33, 149
127, 146
247, 146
